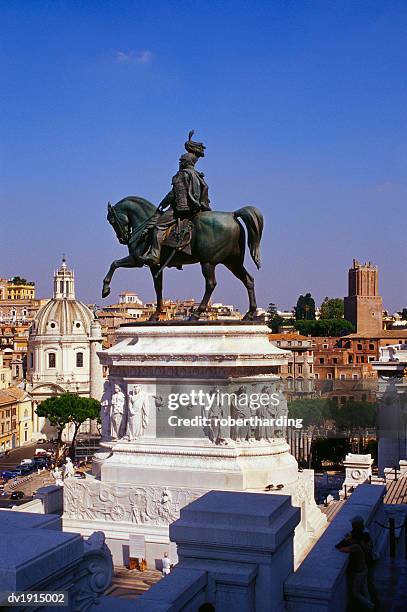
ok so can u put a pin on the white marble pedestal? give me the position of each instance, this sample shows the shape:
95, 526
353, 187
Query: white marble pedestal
139, 486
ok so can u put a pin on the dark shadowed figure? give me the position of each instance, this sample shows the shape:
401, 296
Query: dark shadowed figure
217, 238
183, 230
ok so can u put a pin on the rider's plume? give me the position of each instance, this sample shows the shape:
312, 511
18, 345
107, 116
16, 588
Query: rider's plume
196, 148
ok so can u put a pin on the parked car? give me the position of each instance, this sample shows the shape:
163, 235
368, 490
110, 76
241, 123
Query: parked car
42, 463
26, 469
18, 471
17, 495
27, 462
7, 474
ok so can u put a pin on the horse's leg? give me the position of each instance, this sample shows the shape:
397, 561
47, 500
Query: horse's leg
158, 286
238, 269
208, 270
126, 262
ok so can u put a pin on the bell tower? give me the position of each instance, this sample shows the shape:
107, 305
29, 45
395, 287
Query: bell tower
363, 304
64, 283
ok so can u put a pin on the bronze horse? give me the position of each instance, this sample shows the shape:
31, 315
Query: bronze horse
217, 238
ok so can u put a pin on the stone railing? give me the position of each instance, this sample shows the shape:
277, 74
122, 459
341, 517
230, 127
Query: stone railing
235, 550
35, 555
320, 582
235, 554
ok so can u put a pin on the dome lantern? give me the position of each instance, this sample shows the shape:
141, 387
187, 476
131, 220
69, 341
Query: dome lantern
64, 283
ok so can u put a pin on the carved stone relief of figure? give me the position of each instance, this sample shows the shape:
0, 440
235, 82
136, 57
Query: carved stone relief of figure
214, 430
117, 404
137, 416
105, 407
266, 412
84, 500
282, 411
239, 433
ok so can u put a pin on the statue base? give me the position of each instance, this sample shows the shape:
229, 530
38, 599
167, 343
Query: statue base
139, 486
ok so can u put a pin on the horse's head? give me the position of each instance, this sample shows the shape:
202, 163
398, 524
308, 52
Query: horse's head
120, 223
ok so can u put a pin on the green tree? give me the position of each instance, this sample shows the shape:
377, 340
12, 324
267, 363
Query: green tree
332, 308
403, 314
18, 280
354, 415
274, 320
305, 308
61, 410
324, 327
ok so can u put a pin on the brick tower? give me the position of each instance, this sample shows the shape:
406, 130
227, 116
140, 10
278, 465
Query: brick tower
363, 305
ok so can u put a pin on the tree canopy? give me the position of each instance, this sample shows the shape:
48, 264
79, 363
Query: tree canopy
60, 410
403, 314
332, 308
305, 308
324, 327
18, 280
313, 412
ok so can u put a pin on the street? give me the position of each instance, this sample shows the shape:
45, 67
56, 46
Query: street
27, 485
23, 452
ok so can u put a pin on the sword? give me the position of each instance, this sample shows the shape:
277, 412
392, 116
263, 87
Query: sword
171, 255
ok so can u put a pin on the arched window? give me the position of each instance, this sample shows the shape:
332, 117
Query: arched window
79, 360
52, 362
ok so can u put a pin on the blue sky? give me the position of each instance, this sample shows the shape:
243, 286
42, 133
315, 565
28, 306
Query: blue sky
301, 106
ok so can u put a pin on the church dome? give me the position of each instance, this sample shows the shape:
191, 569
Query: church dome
63, 315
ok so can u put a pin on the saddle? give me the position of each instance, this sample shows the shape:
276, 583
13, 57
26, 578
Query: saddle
179, 236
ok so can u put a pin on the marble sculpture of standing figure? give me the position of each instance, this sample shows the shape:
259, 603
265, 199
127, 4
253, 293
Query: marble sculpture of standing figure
105, 407
137, 419
117, 411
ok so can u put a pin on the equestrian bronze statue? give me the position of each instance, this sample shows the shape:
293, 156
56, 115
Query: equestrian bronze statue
184, 230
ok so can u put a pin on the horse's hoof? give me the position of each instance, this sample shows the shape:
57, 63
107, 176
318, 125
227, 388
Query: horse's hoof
249, 316
194, 316
105, 292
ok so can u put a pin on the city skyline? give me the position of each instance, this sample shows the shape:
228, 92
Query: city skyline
114, 297
306, 125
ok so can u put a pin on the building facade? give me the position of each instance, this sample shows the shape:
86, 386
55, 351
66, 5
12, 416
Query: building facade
8, 421
5, 373
20, 290
299, 372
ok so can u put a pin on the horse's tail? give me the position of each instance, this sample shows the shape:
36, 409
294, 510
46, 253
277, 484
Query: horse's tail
253, 220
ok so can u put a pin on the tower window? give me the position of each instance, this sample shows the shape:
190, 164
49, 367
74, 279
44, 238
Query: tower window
79, 360
51, 360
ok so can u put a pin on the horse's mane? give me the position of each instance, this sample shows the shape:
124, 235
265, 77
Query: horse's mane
136, 201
